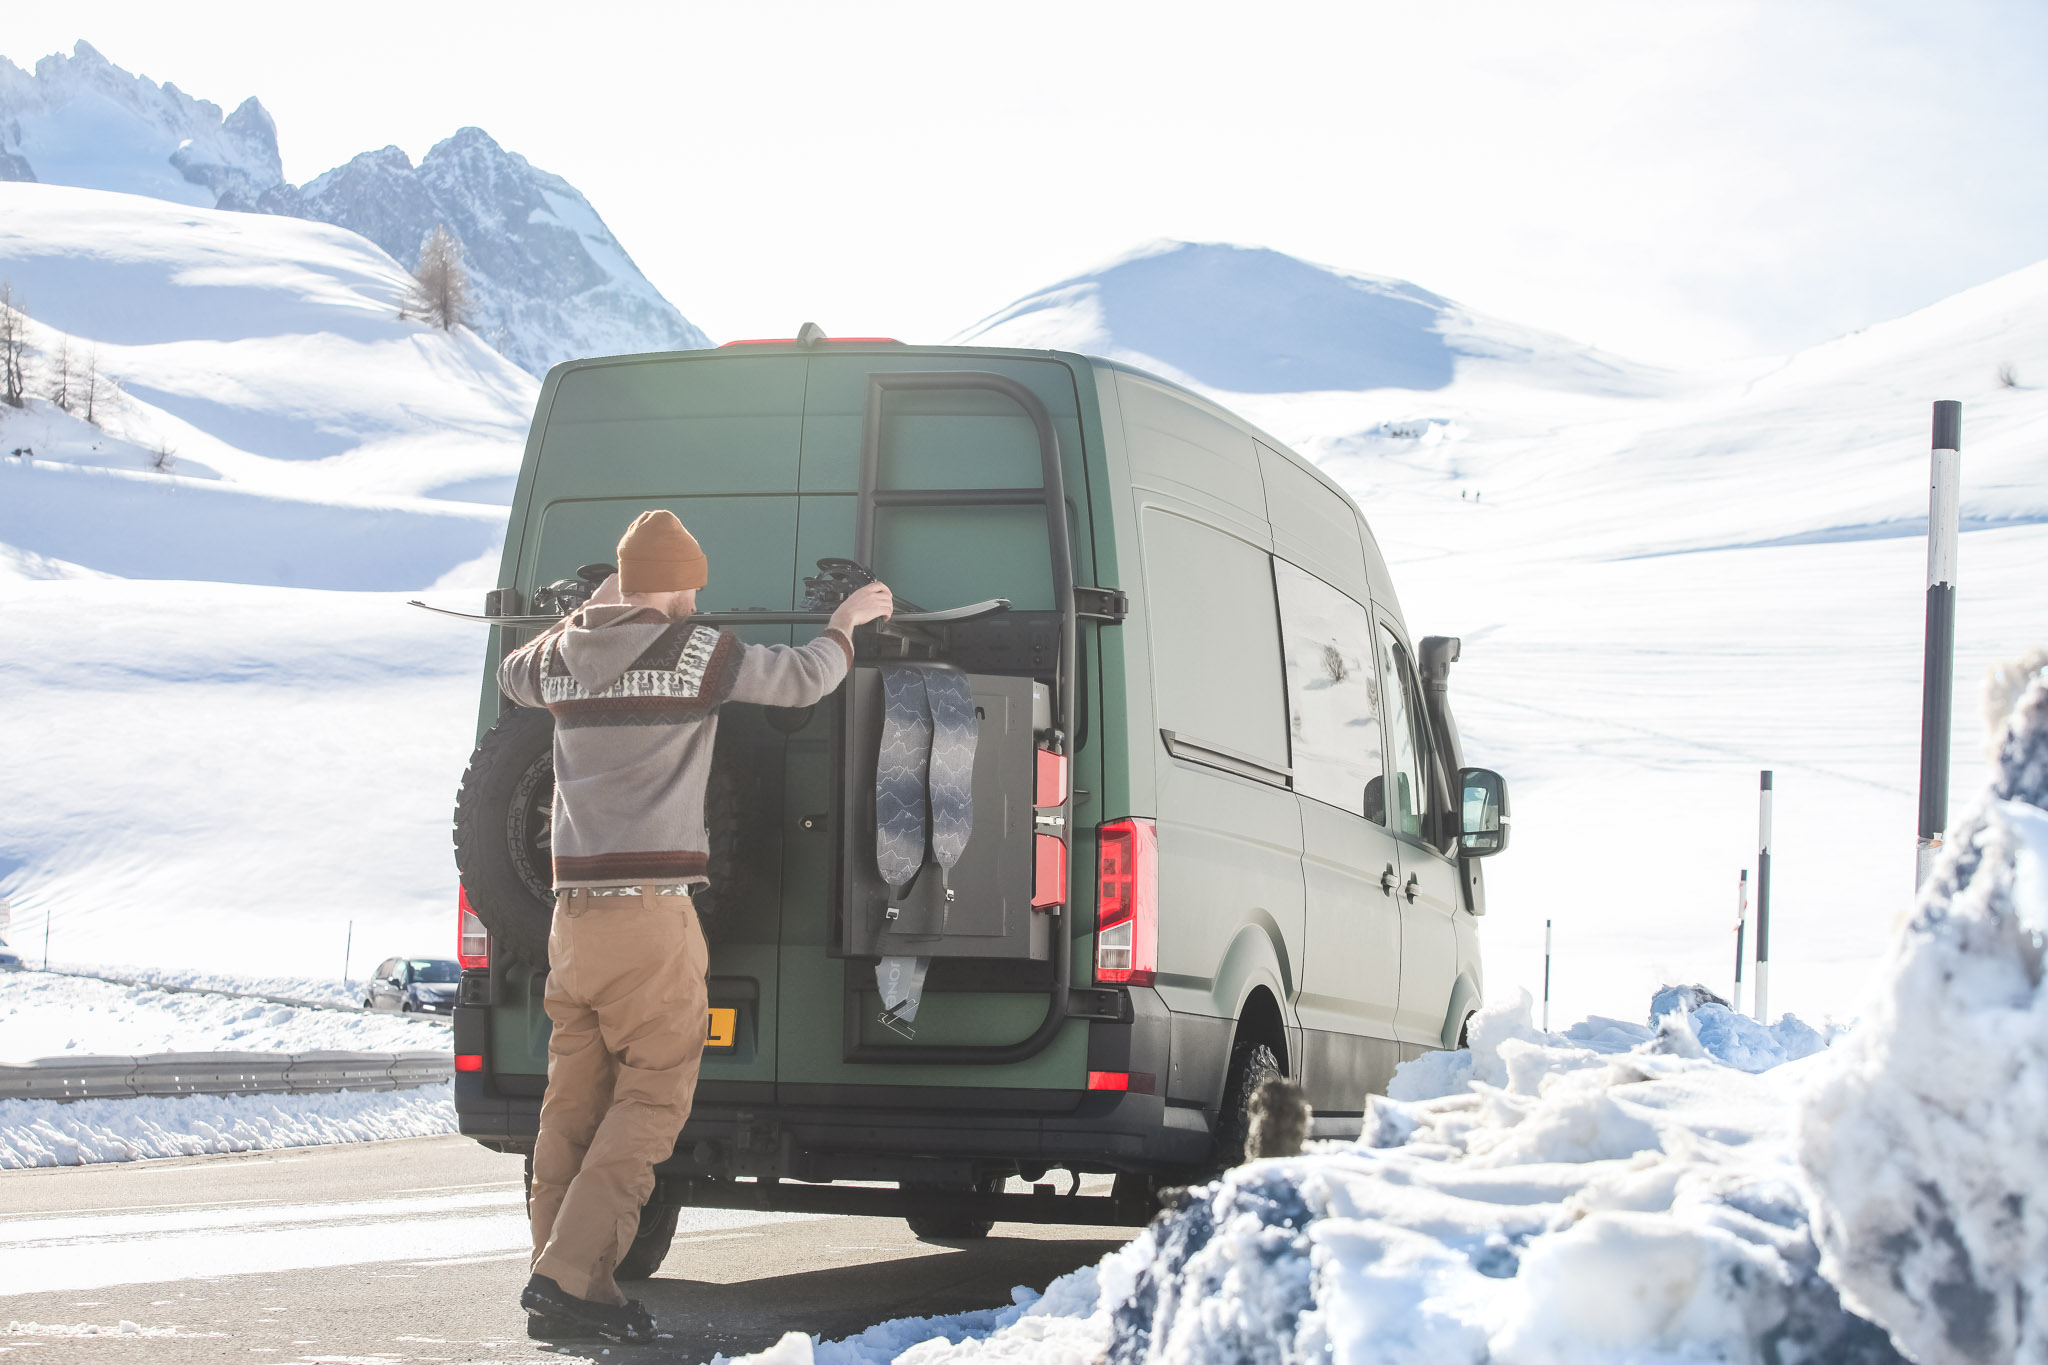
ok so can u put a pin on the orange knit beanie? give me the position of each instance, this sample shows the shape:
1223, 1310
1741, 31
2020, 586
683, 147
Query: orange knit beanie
657, 555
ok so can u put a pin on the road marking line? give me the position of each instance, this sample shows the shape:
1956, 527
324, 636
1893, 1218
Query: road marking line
473, 1185
473, 1260
140, 1208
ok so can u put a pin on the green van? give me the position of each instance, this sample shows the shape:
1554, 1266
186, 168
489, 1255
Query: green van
1220, 823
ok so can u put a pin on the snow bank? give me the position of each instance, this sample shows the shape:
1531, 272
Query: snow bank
312, 990
1928, 1141
46, 1014
45, 1133
1615, 1193
1502, 1038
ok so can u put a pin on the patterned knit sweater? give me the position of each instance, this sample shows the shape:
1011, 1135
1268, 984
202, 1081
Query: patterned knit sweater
635, 698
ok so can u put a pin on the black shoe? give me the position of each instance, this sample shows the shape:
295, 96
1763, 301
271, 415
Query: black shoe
548, 1303
540, 1327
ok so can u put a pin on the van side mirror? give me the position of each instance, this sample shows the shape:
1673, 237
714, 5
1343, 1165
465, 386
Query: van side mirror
1483, 813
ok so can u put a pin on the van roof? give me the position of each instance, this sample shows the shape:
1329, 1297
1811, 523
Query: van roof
845, 345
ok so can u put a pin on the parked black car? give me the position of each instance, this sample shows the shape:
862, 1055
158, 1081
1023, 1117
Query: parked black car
414, 985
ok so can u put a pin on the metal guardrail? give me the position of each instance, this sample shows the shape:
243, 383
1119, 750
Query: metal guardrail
219, 1073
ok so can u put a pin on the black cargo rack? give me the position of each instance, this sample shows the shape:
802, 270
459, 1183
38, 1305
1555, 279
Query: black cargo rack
1052, 496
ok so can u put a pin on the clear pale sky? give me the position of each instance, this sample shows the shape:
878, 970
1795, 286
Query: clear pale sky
1677, 180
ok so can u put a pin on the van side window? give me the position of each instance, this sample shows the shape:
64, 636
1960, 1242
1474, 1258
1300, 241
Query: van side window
1332, 694
1216, 669
1409, 803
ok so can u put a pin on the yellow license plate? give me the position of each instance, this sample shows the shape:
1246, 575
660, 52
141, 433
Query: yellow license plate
725, 1030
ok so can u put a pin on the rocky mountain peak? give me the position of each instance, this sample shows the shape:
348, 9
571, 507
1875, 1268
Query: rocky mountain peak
550, 281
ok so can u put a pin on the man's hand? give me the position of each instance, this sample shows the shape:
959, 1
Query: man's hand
607, 593
871, 603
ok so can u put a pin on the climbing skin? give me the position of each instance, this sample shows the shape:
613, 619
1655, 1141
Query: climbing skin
951, 780
901, 769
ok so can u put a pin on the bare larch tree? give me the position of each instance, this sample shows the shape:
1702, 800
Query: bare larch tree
91, 381
440, 286
61, 378
13, 349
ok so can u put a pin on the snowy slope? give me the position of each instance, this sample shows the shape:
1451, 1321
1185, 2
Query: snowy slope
1249, 320
551, 282
1664, 583
228, 776
313, 437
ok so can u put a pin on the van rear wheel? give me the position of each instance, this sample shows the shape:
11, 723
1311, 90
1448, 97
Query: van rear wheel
955, 1227
1251, 1066
650, 1243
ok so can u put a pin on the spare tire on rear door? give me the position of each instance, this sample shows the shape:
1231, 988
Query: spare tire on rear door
503, 827
502, 833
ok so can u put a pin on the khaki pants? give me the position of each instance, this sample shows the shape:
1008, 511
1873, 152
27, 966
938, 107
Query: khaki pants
626, 995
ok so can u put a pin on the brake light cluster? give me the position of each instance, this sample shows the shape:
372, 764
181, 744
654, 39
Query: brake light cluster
797, 341
472, 940
1127, 903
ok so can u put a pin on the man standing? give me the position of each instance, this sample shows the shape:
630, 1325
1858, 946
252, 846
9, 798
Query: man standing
634, 688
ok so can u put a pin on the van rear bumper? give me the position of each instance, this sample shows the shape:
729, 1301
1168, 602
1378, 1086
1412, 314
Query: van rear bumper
1099, 1131
943, 1135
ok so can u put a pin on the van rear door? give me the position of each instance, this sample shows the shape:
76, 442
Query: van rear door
978, 443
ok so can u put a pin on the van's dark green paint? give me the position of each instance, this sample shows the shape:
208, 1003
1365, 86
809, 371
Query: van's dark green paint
1274, 926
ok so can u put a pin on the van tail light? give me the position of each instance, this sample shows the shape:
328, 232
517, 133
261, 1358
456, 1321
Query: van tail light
1140, 1081
469, 1061
1127, 903
472, 940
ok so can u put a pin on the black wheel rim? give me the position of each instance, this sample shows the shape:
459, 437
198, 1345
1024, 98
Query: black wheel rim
529, 828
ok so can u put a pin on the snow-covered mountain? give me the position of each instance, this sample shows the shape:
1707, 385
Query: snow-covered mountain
261, 414
81, 120
551, 282
1238, 319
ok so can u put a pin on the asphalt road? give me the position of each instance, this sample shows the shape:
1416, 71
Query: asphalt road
415, 1251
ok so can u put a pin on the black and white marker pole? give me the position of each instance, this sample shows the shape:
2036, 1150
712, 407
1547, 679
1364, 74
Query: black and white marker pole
1741, 924
1938, 676
1763, 900
1546, 976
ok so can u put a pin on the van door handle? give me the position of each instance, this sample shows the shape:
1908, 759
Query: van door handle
1414, 880
1387, 880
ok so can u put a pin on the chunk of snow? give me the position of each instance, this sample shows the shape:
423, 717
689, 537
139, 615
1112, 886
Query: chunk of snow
1927, 1142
